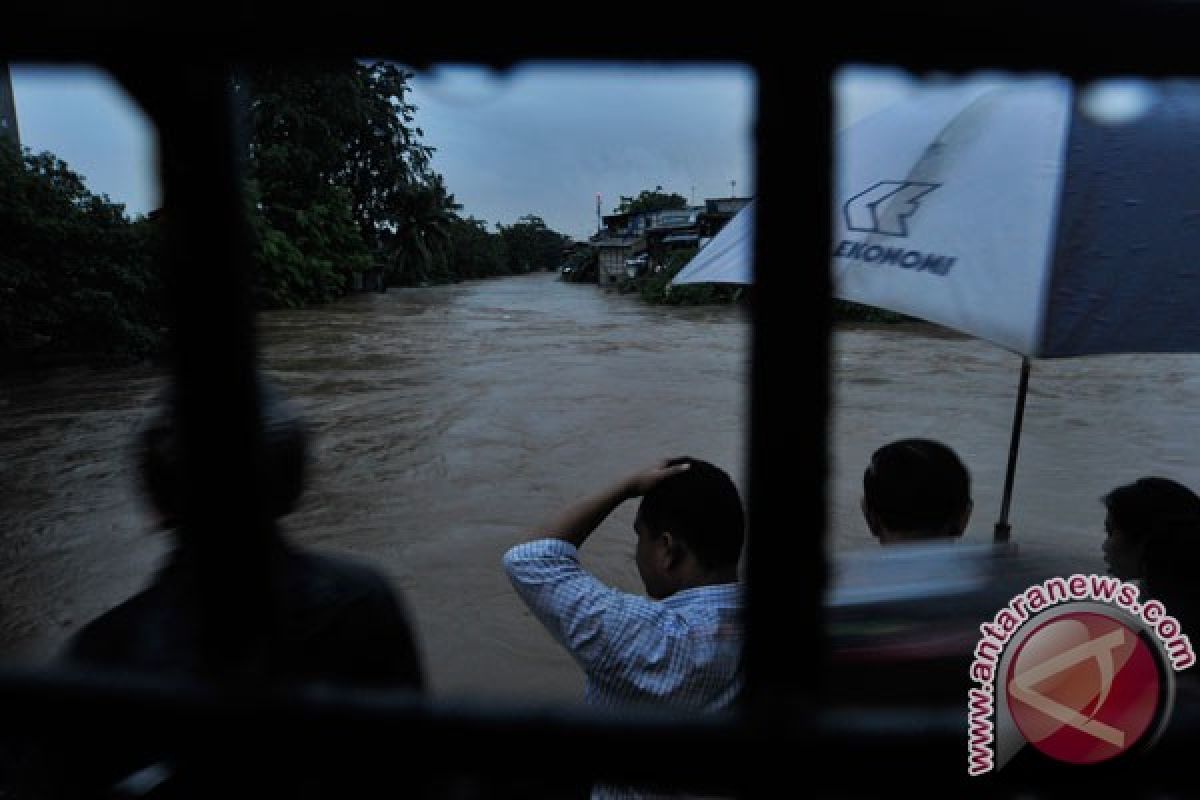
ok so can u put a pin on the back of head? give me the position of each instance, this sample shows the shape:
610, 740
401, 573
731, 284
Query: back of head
702, 507
284, 454
1148, 504
917, 486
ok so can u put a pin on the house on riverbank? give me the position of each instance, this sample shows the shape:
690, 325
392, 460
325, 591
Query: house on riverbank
641, 241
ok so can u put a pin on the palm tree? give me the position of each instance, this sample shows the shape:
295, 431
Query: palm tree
421, 241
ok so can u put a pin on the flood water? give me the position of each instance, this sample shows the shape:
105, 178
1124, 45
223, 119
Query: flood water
449, 419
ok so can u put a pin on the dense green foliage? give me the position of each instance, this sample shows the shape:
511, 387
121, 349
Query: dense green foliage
75, 274
473, 252
647, 200
581, 265
340, 183
529, 245
655, 288
316, 141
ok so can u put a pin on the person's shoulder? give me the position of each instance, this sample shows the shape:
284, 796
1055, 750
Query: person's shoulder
342, 619
112, 637
333, 577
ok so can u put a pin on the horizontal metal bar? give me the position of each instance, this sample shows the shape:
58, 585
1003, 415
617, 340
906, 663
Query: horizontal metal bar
362, 731
1154, 36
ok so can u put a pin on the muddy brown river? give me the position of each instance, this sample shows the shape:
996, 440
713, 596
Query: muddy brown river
447, 419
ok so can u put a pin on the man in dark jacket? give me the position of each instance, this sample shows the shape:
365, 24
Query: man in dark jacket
307, 619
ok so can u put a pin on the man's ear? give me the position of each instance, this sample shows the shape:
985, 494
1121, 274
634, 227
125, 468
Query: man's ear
671, 550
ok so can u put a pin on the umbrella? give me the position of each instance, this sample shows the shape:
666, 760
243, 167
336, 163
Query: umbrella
725, 259
1001, 209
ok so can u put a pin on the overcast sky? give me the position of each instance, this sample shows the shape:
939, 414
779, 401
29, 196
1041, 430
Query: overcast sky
540, 139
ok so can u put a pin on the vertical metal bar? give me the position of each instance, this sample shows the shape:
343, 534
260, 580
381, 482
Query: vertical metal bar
789, 397
208, 256
1003, 530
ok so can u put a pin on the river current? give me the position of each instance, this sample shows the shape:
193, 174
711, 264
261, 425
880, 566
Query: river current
448, 419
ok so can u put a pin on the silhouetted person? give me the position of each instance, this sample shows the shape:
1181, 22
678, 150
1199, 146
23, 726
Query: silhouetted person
326, 619
1136, 511
904, 618
916, 490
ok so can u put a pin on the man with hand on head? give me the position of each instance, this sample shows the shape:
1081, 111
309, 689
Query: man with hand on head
680, 647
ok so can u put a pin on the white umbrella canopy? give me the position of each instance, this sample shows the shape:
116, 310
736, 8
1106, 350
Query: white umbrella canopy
727, 258
1001, 209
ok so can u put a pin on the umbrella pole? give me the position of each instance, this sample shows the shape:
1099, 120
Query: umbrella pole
1003, 529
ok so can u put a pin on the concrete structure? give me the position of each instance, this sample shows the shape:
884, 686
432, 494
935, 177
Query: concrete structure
8, 107
613, 251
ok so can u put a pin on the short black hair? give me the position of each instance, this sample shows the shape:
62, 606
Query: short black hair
917, 485
1140, 508
702, 507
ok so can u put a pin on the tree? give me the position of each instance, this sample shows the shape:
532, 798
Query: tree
656, 287
531, 245
656, 200
340, 181
475, 253
75, 274
301, 118
418, 246
385, 159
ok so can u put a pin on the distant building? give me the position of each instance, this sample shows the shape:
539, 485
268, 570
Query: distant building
677, 229
718, 211
630, 244
621, 238
614, 251
8, 107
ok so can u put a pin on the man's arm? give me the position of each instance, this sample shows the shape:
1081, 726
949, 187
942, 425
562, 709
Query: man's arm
576, 523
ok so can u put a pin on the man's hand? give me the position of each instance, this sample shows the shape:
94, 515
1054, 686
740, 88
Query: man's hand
640, 483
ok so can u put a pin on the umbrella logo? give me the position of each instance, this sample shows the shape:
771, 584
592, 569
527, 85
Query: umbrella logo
885, 207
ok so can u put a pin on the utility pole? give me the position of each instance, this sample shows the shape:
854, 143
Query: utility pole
733, 189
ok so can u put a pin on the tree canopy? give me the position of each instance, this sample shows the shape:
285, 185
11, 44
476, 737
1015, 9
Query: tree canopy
341, 182
529, 245
338, 182
75, 274
656, 200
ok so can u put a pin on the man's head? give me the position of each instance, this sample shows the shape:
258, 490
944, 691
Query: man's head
1138, 510
284, 455
916, 490
690, 530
